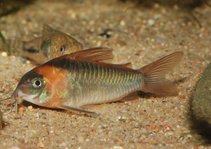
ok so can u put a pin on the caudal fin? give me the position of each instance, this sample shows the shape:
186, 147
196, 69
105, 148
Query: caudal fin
154, 75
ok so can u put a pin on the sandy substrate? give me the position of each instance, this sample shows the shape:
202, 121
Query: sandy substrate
140, 35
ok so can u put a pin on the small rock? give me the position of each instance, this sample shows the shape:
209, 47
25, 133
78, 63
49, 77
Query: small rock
152, 127
116, 147
30, 107
2, 90
40, 144
122, 23
24, 21
122, 119
28, 62
121, 43
36, 115
80, 139
4, 54
152, 116
151, 22
160, 40
21, 109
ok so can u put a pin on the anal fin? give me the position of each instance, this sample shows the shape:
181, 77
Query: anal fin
130, 97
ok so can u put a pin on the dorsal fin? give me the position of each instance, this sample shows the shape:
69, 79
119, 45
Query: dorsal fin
99, 54
47, 29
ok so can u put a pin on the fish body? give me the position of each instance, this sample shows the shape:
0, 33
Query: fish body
51, 44
83, 78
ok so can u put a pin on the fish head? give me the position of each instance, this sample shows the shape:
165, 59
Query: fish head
43, 86
57, 44
32, 88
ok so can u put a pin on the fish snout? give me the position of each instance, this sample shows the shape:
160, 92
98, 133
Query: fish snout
16, 95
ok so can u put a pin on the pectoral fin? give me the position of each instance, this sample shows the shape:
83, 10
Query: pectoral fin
92, 114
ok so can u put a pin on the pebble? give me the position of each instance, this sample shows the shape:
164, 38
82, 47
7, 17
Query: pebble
150, 22
30, 107
80, 139
40, 144
122, 23
21, 109
4, 54
24, 21
121, 119
2, 90
36, 115
117, 147
159, 40
28, 62
157, 16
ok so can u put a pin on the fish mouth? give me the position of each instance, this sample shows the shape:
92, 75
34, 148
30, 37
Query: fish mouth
17, 94
26, 97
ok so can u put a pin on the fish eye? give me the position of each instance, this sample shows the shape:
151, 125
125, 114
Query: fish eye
62, 49
36, 82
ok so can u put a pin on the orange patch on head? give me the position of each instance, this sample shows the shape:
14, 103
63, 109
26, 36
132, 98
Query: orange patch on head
54, 78
51, 73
